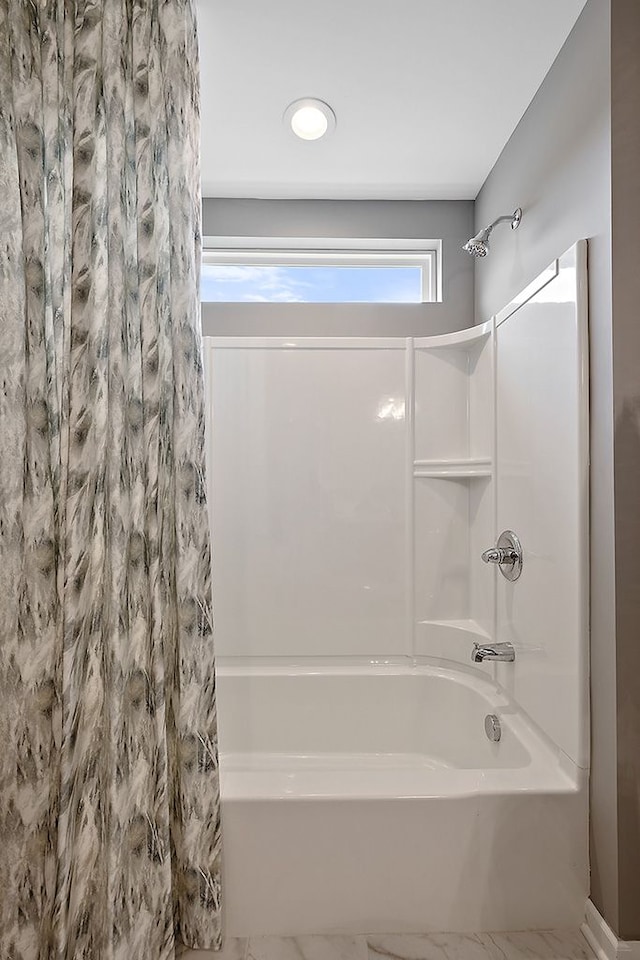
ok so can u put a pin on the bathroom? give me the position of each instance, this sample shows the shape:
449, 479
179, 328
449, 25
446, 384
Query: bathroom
319, 633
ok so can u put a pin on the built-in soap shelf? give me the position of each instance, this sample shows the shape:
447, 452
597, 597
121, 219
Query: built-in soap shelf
451, 469
460, 340
452, 497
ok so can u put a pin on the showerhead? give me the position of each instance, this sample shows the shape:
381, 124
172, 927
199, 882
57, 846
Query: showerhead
478, 246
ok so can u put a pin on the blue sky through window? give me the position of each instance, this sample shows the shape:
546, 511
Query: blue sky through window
310, 284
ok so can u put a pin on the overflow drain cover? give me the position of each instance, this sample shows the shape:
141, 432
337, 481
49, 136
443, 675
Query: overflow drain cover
492, 727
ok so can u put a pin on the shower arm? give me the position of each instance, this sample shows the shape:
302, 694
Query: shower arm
500, 220
485, 233
512, 218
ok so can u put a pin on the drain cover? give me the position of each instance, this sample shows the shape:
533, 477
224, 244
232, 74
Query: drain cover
492, 727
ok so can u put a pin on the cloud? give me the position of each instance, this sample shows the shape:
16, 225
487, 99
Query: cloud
262, 284
296, 284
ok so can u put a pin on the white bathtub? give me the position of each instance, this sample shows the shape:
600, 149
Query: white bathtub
366, 798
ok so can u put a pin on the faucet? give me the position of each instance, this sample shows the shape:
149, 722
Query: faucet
500, 555
493, 651
507, 554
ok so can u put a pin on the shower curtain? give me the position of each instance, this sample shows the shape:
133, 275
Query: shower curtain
109, 802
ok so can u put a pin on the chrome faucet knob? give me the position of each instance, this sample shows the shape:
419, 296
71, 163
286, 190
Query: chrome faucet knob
507, 553
499, 555
492, 555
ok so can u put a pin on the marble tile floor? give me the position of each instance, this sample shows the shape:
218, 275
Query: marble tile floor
543, 945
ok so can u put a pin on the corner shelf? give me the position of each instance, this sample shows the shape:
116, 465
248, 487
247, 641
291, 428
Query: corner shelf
450, 469
461, 339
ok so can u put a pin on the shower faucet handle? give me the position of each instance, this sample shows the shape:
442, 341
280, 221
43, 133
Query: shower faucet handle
499, 555
507, 553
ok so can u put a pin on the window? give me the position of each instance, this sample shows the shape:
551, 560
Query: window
319, 271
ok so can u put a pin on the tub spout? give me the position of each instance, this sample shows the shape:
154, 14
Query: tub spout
494, 651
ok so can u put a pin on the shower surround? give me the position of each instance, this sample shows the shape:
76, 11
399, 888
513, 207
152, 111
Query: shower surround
355, 485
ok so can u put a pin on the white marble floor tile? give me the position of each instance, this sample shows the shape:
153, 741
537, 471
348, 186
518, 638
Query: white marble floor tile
551, 945
307, 948
436, 946
235, 948
545, 945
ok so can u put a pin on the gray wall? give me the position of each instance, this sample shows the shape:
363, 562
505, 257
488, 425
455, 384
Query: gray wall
557, 166
625, 155
450, 221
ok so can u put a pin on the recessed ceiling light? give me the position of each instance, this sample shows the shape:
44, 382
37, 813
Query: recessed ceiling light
309, 118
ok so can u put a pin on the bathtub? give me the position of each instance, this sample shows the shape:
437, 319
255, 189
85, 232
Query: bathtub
367, 798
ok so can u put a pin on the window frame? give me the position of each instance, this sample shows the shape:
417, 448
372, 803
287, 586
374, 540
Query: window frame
336, 252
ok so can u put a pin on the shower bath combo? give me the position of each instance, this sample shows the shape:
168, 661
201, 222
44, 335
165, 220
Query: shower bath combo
404, 727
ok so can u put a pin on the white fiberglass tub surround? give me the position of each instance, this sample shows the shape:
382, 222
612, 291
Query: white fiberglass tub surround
355, 484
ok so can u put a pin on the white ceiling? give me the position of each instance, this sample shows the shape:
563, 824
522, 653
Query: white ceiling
426, 92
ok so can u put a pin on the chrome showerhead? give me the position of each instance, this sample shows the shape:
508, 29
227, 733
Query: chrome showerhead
478, 246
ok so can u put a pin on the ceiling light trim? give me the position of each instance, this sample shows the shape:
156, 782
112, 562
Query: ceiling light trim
301, 127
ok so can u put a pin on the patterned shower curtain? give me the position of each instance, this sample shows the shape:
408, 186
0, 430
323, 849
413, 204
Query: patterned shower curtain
109, 803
